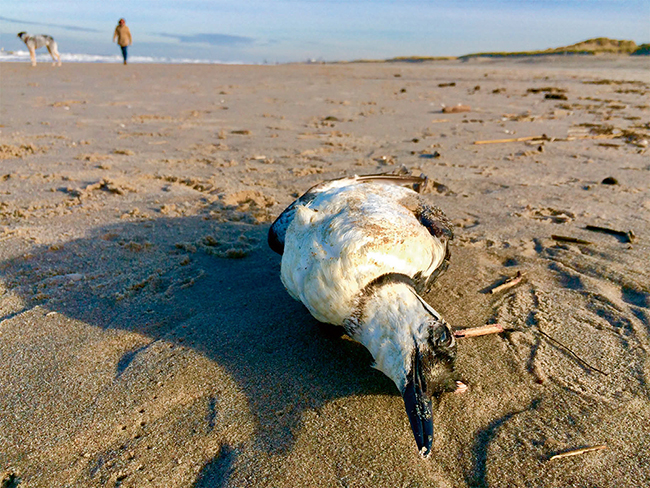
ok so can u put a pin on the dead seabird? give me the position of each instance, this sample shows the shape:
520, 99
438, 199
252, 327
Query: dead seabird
358, 252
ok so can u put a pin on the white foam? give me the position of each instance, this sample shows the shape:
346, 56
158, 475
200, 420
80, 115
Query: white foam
23, 56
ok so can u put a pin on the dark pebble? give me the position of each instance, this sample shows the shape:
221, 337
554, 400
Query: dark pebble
610, 180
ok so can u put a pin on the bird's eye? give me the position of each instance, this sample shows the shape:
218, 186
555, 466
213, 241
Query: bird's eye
440, 336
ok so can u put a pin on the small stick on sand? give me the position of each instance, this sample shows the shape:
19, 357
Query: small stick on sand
509, 283
569, 239
576, 452
479, 331
629, 235
566, 348
543, 137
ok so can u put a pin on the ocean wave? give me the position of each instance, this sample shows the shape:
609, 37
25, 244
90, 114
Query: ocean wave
23, 56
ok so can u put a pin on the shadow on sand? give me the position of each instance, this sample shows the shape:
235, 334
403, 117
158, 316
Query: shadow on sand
156, 278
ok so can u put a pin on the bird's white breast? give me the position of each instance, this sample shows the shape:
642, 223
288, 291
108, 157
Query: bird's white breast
347, 237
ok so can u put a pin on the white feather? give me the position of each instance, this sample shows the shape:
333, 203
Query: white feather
391, 332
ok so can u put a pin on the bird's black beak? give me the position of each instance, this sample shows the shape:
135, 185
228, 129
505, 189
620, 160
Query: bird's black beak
418, 407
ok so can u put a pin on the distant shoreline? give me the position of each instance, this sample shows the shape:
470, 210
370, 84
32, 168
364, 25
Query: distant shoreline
559, 60
593, 48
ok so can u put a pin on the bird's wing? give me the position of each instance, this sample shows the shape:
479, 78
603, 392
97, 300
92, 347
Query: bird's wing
279, 228
439, 226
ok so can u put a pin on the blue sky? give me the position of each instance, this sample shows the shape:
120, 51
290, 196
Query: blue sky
255, 31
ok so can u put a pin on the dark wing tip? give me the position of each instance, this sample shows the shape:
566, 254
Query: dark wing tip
435, 221
275, 242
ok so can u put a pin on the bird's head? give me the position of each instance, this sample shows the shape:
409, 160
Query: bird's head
412, 345
429, 373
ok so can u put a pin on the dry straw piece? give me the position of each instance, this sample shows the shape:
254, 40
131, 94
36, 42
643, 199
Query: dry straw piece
577, 452
479, 331
509, 283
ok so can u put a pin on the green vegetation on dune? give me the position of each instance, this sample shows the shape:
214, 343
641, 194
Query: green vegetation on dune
642, 50
599, 45
590, 47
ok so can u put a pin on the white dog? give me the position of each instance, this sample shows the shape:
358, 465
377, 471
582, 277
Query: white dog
35, 42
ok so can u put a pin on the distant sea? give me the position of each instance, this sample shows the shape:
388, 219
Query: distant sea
23, 56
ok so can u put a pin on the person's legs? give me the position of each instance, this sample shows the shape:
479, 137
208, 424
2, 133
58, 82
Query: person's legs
124, 53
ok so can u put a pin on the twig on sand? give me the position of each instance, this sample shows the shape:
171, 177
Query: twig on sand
479, 331
574, 240
509, 283
629, 235
576, 452
543, 137
580, 360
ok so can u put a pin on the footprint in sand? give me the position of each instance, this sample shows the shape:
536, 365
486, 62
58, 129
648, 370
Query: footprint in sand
550, 214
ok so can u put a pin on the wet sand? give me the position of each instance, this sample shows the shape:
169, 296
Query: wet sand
146, 338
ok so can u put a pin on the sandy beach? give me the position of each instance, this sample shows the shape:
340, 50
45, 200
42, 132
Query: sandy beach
146, 339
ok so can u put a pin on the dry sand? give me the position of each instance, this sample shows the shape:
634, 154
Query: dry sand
146, 338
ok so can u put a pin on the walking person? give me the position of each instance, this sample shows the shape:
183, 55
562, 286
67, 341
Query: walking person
123, 36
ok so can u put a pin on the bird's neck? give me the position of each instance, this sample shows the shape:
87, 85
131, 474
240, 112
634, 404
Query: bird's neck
390, 324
